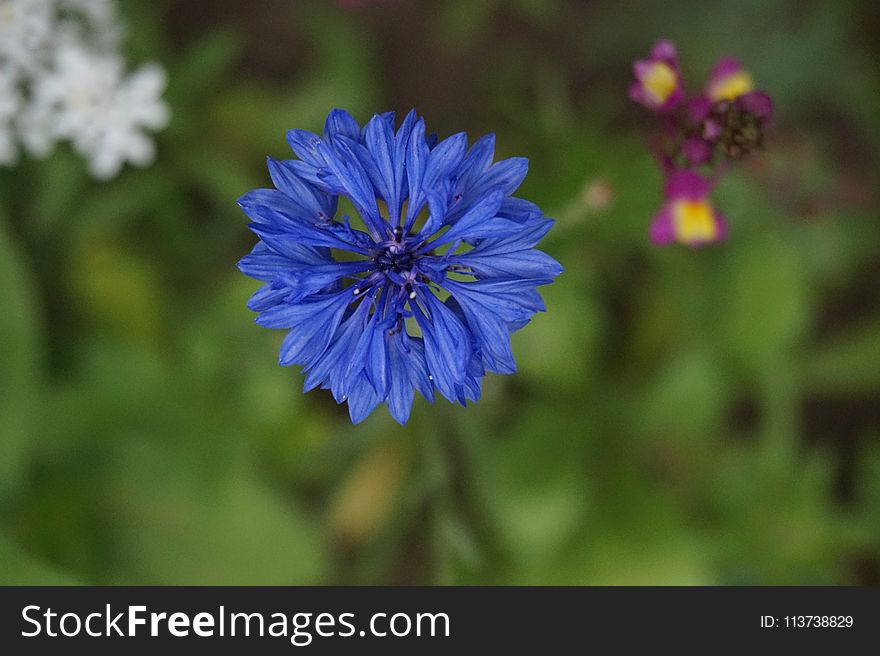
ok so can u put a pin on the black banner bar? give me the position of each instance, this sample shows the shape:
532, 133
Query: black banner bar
275, 620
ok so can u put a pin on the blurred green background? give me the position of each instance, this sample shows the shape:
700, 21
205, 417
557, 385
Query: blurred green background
680, 416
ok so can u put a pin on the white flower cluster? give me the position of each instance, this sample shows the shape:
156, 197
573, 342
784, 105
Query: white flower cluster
63, 78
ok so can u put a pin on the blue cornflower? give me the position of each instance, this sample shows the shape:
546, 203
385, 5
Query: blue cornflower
425, 296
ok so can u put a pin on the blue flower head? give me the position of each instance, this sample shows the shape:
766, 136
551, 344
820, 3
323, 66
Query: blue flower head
425, 293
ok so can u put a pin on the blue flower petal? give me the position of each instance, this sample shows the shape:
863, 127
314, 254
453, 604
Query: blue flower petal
510, 299
417, 366
437, 181
316, 308
353, 179
480, 222
331, 368
519, 210
447, 345
506, 175
477, 160
340, 123
401, 393
311, 323
263, 261
277, 219
286, 179
265, 297
416, 158
528, 263
512, 255
305, 145
362, 399
306, 281
371, 356
381, 145
445, 157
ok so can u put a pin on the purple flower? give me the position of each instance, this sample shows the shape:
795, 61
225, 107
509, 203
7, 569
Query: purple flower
687, 217
693, 144
703, 132
697, 109
696, 150
756, 103
658, 82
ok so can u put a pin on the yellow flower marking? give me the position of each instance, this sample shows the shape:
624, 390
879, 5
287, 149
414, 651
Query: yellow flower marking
694, 221
731, 87
660, 82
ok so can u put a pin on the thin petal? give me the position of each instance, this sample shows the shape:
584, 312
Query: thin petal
348, 170
362, 399
480, 222
401, 392
417, 155
477, 160
371, 356
447, 345
265, 297
305, 145
286, 179
380, 144
340, 122
331, 368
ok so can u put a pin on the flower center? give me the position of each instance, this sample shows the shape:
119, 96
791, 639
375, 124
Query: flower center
394, 267
396, 260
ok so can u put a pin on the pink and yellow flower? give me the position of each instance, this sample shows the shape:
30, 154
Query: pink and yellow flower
688, 216
728, 81
658, 82
703, 132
